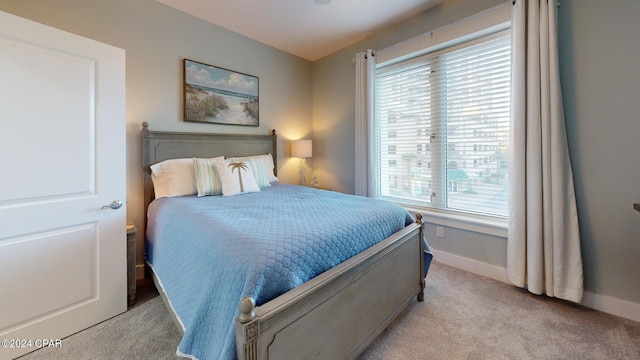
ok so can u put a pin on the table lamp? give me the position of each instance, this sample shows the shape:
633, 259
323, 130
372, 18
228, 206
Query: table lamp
301, 149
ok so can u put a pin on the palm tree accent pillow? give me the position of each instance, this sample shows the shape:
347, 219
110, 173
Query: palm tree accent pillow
236, 178
262, 166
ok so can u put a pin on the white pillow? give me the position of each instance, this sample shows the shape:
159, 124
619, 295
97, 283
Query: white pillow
236, 178
174, 177
206, 177
262, 166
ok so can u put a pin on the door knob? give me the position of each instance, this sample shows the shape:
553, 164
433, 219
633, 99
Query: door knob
115, 204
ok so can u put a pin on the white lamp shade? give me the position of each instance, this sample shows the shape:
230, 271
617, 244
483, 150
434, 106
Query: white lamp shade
301, 148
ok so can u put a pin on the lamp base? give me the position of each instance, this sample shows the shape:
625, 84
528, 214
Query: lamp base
302, 180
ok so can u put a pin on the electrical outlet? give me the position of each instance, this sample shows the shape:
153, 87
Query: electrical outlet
439, 231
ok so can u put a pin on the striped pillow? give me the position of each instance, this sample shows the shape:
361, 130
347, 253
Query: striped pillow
207, 180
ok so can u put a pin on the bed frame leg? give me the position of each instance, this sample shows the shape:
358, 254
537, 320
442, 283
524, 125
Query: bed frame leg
421, 293
247, 330
422, 282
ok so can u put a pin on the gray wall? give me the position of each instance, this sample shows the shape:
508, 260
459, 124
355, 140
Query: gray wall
156, 39
599, 55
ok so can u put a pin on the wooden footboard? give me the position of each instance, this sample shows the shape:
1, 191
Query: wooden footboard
339, 313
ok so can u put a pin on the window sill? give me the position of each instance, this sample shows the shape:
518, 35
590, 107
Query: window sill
470, 223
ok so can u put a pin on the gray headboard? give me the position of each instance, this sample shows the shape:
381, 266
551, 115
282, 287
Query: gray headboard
163, 145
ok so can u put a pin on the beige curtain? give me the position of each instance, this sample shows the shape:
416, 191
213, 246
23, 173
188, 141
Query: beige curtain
543, 251
365, 76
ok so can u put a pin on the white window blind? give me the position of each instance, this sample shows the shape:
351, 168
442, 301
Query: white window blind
442, 128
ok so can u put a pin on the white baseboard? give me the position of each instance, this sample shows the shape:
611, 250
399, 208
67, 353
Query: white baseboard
472, 266
604, 303
611, 305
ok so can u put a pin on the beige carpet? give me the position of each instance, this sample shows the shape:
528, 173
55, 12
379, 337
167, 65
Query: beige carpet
464, 316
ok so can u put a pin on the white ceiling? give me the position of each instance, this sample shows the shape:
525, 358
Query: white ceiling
302, 27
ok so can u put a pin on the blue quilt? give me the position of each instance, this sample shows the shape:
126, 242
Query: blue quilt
210, 252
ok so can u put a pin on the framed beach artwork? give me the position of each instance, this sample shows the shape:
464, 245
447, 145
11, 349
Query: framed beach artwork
219, 96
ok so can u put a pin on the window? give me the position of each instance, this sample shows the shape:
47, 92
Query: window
448, 109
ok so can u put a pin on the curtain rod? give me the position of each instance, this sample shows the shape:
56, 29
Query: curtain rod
558, 4
373, 54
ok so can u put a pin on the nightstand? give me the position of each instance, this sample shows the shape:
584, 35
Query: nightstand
131, 262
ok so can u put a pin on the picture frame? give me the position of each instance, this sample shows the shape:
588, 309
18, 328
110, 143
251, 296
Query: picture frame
216, 95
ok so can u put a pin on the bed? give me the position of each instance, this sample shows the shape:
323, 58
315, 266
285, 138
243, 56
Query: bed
315, 295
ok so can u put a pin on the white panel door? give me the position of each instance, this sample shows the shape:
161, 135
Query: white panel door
62, 158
